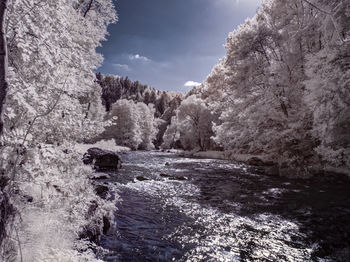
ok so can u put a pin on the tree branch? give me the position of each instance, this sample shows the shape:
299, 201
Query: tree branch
88, 8
31, 126
332, 18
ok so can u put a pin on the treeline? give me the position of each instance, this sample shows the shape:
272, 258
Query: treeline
115, 88
282, 92
115, 93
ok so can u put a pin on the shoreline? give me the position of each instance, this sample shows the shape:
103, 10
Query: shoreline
267, 167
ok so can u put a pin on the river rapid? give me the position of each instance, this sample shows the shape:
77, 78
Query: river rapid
172, 208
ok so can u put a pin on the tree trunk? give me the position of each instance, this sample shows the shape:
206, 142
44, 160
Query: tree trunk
3, 60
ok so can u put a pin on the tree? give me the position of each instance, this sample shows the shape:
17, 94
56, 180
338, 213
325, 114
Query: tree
195, 124
147, 125
52, 103
171, 135
125, 129
282, 87
328, 87
133, 124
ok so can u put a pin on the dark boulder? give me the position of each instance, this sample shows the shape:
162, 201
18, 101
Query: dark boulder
255, 161
141, 178
178, 178
101, 190
170, 177
103, 160
100, 177
165, 175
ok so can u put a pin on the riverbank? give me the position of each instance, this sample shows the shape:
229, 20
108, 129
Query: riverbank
62, 211
104, 145
264, 164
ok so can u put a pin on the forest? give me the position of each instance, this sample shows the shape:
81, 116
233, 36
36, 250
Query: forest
280, 97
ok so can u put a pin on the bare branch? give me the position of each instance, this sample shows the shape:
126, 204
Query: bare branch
88, 8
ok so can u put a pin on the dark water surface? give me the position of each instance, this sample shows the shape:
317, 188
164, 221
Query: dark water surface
215, 210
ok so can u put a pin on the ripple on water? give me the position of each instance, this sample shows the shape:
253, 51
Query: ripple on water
221, 213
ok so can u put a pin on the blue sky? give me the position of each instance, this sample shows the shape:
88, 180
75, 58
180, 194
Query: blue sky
166, 43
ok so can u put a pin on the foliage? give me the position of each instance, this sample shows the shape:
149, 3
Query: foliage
133, 124
53, 101
115, 88
192, 126
282, 90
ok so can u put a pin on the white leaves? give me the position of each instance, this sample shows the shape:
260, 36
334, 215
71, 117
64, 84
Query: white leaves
285, 71
52, 55
133, 124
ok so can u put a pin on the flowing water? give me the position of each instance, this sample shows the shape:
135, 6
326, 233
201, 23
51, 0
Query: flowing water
215, 210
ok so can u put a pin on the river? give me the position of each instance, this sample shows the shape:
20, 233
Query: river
215, 210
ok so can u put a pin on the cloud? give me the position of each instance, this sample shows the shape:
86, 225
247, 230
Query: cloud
122, 67
139, 58
238, 4
192, 84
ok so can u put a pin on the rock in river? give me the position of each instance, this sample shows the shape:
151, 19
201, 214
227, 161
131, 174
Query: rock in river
170, 177
103, 160
141, 178
255, 161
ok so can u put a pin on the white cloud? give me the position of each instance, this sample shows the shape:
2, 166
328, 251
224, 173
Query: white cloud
192, 84
122, 66
238, 4
139, 58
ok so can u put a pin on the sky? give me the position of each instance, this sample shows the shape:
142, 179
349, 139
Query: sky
171, 44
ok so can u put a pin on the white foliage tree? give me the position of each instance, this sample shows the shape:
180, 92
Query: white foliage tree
147, 125
195, 124
53, 101
172, 134
126, 129
133, 124
284, 84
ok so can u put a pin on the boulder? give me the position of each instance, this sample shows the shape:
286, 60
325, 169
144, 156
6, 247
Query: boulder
141, 178
179, 178
103, 160
255, 161
101, 190
170, 177
100, 177
165, 175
